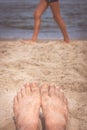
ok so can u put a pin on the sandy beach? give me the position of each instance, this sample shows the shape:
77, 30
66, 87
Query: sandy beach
54, 62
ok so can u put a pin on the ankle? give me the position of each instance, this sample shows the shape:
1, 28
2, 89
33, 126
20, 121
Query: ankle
66, 39
34, 38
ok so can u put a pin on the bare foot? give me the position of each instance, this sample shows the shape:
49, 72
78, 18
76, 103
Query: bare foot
54, 106
28, 41
26, 108
67, 40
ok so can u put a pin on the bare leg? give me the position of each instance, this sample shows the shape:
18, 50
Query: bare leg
37, 20
55, 7
26, 108
54, 106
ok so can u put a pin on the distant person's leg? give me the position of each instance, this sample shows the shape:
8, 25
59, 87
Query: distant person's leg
55, 7
54, 106
37, 19
26, 108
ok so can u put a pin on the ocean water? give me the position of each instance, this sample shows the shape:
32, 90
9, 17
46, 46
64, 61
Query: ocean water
16, 19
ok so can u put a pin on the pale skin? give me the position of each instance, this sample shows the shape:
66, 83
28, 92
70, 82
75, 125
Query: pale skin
55, 8
27, 105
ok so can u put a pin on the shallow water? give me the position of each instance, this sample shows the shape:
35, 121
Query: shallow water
16, 19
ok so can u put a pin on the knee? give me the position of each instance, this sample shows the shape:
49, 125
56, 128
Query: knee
37, 15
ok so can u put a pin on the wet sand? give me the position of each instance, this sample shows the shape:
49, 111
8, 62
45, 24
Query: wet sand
54, 62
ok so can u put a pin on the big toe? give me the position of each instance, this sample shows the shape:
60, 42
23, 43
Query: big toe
35, 88
44, 90
27, 89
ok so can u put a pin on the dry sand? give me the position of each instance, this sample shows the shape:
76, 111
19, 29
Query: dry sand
55, 62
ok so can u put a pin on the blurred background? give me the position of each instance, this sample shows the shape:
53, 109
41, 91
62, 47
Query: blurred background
16, 19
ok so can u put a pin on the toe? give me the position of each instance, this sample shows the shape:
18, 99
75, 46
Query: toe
15, 100
19, 96
65, 100
66, 104
27, 89
23, 92
34, 88
59, 93
15, 105
52, 91
44, 90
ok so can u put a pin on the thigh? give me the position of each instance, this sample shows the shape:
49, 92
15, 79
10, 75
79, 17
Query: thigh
55, 7
42, 6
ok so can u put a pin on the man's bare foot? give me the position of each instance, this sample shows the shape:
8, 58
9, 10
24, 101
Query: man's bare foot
26, 108
54, 106
28, 41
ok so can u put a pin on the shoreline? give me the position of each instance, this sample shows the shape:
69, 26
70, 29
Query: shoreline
40, 39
